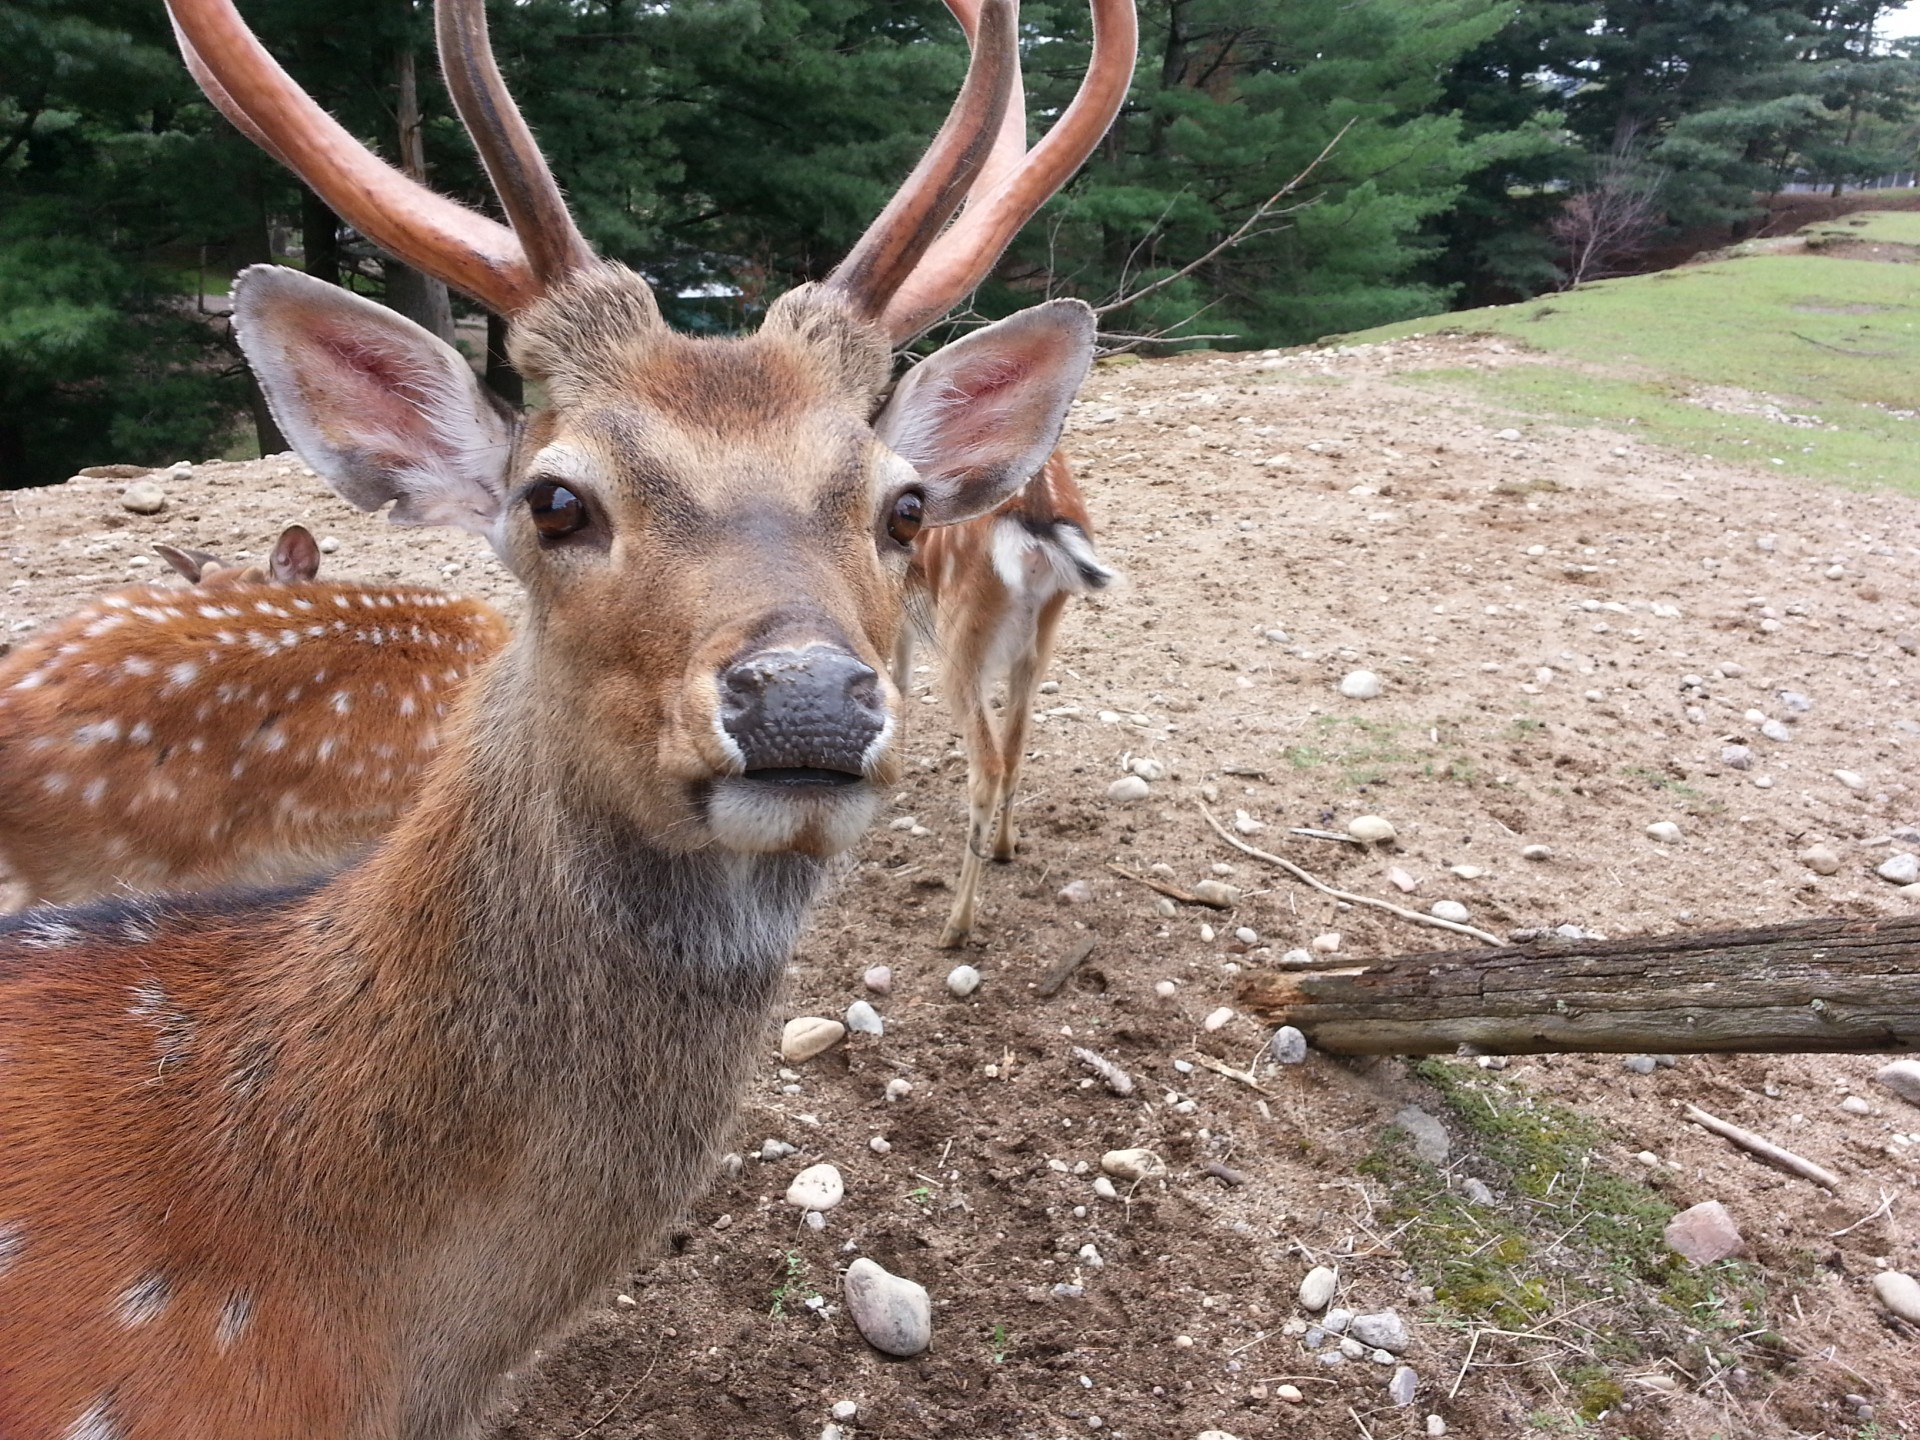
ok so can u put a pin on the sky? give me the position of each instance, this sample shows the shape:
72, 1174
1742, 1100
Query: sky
1904, 21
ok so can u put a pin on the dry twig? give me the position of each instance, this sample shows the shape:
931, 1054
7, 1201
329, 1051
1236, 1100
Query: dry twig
1115, 1079
1347, 895
1171, 891
1765, 1149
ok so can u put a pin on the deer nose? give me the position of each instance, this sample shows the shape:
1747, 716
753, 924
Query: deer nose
813, 709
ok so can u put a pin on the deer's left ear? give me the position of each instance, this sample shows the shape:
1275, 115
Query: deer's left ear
978, 418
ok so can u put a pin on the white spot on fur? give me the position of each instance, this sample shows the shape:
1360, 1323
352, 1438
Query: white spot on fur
96, 790
98, 732
136, 666
143, 1300
55, 784
13, 1241
182, 675
141, 734
342, 702
235, 1316
50, 935
407, 705
96, 1423
149, 999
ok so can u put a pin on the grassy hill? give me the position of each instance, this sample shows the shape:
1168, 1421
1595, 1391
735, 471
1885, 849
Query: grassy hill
1802, 352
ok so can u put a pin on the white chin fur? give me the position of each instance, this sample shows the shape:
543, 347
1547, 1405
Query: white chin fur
758, 818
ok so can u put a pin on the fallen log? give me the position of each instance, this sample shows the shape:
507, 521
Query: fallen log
1819, 985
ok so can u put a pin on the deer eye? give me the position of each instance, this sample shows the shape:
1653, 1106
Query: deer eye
557, 512
908, 515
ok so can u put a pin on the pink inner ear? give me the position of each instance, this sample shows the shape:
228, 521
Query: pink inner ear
374, 387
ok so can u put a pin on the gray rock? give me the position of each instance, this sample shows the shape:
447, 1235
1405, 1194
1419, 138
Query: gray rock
863, 1019
143, 497
1900, 1293
1902, 1077
1451, 910
1404, 1385
1476, 1190
1536, 852
1795, 703
775, 1149
962, 981
1901, 869
1318, 1287
1128, 790
894, 1314
1288, 1046
1360, 685
1216, 893
1776, 730
1705, 1233
1337, 1320
1430, 1140
1737, 757
1639, 1064
1384, 1330
1314, 1338
1820, 860
1352, 1349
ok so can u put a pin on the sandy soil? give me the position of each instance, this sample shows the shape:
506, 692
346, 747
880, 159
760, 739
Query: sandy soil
1534, 601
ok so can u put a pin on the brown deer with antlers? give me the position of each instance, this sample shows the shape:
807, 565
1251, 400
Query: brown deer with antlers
329, 1161
251, 729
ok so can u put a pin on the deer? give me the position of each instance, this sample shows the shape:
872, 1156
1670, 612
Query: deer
253, 728
333, 1158
995, 589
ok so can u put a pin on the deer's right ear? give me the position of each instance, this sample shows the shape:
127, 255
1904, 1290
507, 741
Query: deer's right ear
382, 409
296, 556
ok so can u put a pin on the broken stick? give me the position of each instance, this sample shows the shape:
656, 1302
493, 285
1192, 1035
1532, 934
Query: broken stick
1764, 1149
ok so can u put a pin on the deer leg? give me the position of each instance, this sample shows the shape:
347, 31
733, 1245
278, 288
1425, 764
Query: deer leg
985, 788
1021, 684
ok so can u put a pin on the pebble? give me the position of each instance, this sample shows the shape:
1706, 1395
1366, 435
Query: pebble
1852, 779
1292, 1394
1246, 935
1776, 730
832, 1432
1338, 1320
1901, 869
1103, 1187
1075, 892
845, 1410
1466, 872
1372, 830
1476, 1190
1857, 1105
1297, 957
1737, 757
143, 497
1360, 685
880, 1145
1403, 1386
879, 979
1147, 769
894, 1314
1383, 1330
1206, 934
1288, 1046
1900, 1293
771, 1149
1902, 1077
1316, 1291
1450, 910
1130, 1164
898, 1089
1128, 789
1215, 1435
1165, 989
1217, 1018
818, 1187
1430, 1139
1639, 1064
1536, 852
863, 1019
1245, 824
1705, 1233
1326, 944
1401, 880
329, 545
962, 981
1216, 893
1436, 1426
806, 1036
1795, 702
1351, 1348
1820, 860
1665, 831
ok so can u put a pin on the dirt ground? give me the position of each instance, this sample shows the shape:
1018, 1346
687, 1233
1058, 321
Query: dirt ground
1569, 628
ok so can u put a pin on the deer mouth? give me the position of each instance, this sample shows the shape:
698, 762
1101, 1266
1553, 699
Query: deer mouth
803, 777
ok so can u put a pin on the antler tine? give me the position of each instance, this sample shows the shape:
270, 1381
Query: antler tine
528, 192
470, 252
960, 259
1010, 145
894, 244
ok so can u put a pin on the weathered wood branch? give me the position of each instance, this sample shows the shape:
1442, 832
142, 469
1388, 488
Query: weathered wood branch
1821, 985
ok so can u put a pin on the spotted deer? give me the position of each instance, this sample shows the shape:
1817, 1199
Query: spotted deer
255, 727
996, 588
328, 1161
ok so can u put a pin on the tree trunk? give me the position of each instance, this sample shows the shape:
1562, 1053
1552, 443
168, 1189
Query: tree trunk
420, 298
252, 244
1820, 985
320, 237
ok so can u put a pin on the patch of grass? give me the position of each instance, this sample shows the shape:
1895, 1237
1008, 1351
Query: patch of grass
1366, 750
793, 1286
1833, 337
998, 1344
1898, 227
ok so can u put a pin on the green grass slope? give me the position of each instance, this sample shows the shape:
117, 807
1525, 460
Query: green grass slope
1807, 360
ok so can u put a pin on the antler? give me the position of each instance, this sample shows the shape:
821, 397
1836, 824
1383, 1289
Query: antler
505, 269
1016, 182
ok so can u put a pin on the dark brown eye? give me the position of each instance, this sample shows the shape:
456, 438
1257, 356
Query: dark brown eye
909, 513
557, 511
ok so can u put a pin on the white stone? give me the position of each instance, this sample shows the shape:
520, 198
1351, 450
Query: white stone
806, 1036
893, 1313
1247, 935
1216, 893
1147, 769
1245, 824
845, 1410
863, 1019
1130, 1164
1900, 1293
1288, 1046
1165, 989
818, 1187
1326, 944
1402, 881
1857, 1105
962, 981
898, 1088
1372, 830
1217, 1018
1404, 1385
1852, 779
1384, 1330
880, 1145
329, 545
1360, 685
1436, 1426
1074, 892
1902, 1077
1536, 852
1316, 1291
1776, 731
1103, 1187
1820, 860
1128, 790
143, 497
1665, 831
1450, 910
1901, 869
